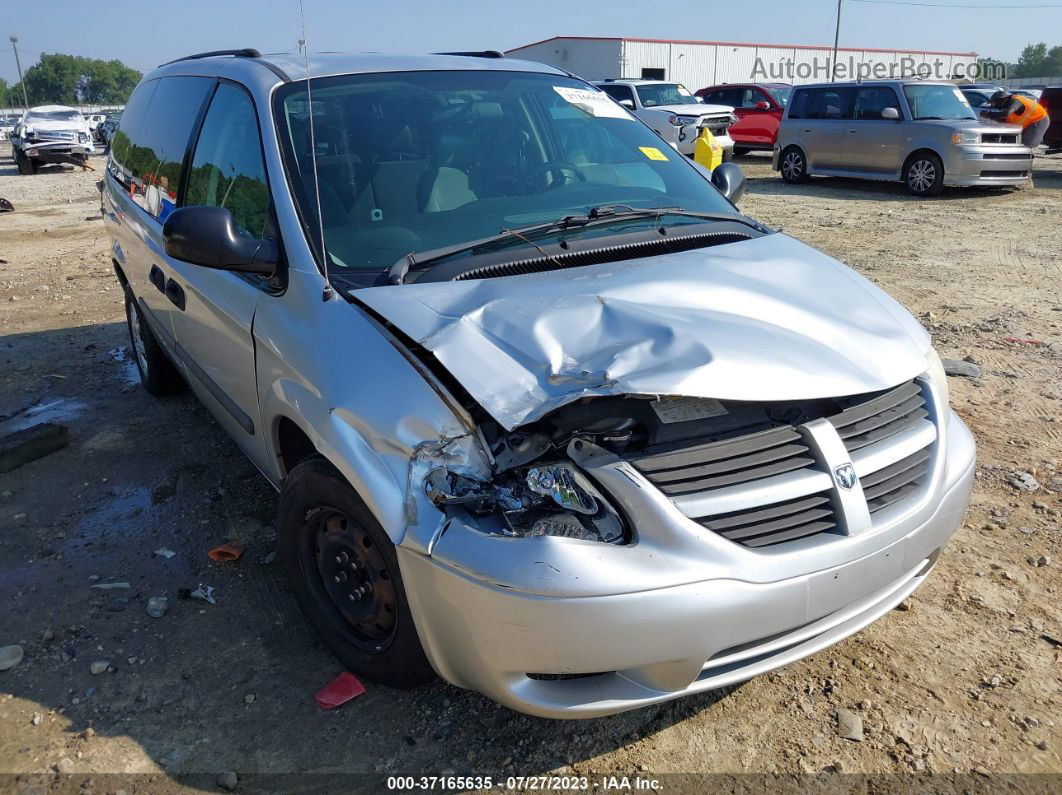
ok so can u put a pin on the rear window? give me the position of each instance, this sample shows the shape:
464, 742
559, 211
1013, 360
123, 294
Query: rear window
828, 103
152, 160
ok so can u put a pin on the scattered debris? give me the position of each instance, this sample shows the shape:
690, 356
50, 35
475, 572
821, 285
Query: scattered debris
226, 552
1023, 341
99, 667
960, 368
204, 593
1052, 640
849, 725
339, 691
162, 552
10, 656
1023, 481
905, 605
31, 443
228, 781
157, 606
36, 719
249, 698
109, 586
1038, 562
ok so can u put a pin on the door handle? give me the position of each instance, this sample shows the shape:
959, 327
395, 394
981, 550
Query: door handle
852, 131
175, 293
157, 278
807, 130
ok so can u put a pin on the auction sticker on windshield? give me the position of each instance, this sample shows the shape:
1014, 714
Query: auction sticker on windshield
596, 103
684, 409
652, 153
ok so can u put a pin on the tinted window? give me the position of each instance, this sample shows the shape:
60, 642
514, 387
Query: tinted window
749, 98
829, 103
870, 102
155, 158
618, 93
228, 169
728, 96
798, 106
129, 131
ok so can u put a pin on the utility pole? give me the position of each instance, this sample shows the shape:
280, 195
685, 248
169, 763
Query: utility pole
836, 37
18, 64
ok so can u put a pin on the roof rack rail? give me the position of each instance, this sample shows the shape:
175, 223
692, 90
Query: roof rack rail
246, 52
474, 54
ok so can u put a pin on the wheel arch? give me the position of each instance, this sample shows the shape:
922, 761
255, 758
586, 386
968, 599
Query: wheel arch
920, 150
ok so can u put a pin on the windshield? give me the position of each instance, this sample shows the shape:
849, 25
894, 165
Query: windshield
781, 94
938, 102
655, 94
53, 115
415, 161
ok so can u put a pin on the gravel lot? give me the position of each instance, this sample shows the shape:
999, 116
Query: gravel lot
966, 679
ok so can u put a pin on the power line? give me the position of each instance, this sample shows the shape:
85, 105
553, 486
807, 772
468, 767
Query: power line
956, 5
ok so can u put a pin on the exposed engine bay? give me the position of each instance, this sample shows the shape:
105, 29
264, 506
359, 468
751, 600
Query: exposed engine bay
537, 490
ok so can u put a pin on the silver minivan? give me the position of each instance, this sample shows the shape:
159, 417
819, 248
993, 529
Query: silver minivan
548, 415
922, 133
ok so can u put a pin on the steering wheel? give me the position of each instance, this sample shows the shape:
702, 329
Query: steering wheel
558, 167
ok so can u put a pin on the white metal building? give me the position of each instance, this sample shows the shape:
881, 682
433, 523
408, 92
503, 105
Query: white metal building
698, 64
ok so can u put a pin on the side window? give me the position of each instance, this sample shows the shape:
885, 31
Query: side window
749, 98
798, 105
870, 102
829, 103
712, 98
128, 134
618, 93
228, 169
156, 157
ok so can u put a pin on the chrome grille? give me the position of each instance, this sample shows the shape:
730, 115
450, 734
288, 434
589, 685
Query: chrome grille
771, 487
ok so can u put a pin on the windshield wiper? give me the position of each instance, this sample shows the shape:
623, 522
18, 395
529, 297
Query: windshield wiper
606, 213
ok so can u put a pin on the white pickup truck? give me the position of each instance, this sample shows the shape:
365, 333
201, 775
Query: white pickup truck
51, 134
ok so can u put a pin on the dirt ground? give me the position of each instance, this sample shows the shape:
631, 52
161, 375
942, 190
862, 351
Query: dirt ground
966, 680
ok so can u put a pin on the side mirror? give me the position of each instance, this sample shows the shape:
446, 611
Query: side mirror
627, 103
761, 105
890, 113
208, 236
730, 180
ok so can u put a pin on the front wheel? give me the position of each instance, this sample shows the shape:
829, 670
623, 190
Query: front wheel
26, 166
924, 175
344, 571
794, 165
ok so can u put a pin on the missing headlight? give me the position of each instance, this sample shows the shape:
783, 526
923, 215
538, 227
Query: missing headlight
547, 499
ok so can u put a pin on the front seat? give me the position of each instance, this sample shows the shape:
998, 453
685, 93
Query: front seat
444, 187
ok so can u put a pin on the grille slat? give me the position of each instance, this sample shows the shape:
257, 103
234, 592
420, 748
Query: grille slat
797, 519
744, 476
716, 451
790, 535
878, 419
731, 464
724, 521
874, 478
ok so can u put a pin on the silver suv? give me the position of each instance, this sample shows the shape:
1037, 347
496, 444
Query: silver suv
549, 417
925, 134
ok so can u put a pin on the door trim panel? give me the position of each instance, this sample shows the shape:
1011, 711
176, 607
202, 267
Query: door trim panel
242, 418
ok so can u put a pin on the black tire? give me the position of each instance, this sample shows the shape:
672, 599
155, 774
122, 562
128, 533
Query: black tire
324, 531
741, 150
26, 166
157, 373
793, 164
923, 174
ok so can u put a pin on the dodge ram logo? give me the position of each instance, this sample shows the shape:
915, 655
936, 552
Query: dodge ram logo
845, 475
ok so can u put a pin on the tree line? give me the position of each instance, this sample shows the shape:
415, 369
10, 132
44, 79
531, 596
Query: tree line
1036, 60
60, 79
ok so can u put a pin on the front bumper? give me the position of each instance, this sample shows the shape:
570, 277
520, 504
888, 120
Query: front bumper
58, 152
645, 642
988, 164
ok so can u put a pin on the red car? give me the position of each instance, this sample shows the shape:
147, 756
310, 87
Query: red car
758, 107
1051, 99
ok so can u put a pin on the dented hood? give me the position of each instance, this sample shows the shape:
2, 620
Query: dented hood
762, 319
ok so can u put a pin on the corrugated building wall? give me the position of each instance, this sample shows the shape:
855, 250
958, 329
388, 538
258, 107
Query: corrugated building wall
700, 64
